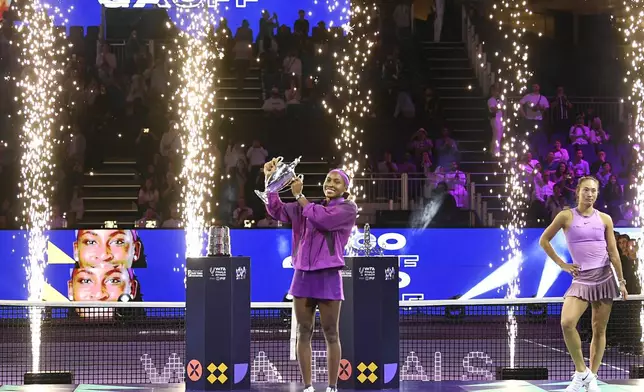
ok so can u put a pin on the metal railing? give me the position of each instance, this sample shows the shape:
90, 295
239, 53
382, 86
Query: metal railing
475, 53
412, 191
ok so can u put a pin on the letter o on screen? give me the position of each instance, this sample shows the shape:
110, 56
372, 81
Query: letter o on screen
358, 243
404, 279
392, 241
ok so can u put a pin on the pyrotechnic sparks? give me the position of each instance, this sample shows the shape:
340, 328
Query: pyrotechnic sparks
193, 63
353, 97
633, 30
512, 78
41, 57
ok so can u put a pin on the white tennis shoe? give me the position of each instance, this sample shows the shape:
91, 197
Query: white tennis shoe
579, 381
591, 383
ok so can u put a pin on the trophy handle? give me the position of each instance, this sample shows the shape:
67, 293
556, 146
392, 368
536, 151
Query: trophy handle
279, 159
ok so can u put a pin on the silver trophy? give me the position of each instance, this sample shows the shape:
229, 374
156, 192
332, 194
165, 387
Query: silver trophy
281, 178
219, 241
368, 248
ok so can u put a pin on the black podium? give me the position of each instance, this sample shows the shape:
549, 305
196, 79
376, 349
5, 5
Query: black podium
369, 324
218, 323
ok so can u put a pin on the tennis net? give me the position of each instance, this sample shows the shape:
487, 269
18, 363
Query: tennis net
138, 343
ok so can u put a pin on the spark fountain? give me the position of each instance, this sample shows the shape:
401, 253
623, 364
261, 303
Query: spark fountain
633, 32
359, 25
40, 57
192, 57
512, 78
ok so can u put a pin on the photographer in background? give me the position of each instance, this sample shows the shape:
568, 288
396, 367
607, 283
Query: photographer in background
625, 320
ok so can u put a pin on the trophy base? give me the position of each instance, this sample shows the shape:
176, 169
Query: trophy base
263, 196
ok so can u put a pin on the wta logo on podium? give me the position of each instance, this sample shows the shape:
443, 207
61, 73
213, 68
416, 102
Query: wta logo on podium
172, 3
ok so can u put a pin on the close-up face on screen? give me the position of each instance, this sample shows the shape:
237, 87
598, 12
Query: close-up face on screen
108, 284
102, 247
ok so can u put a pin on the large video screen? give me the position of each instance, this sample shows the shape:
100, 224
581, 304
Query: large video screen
148, 265
88, 12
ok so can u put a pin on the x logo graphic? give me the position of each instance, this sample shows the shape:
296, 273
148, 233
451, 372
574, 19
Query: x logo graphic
194, 370
345, 370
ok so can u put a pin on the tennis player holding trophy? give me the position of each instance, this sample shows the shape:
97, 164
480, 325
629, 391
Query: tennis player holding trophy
320, 233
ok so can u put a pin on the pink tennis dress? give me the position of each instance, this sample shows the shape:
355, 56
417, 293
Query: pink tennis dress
587, 245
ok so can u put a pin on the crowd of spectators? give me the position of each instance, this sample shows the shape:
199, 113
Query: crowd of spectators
116, 104
567, 143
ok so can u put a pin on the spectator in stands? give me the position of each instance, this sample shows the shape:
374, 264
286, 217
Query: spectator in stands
569, 188
242, 213
257, 156
426, 164
405, 105
430, 111
157, 77
612, 198
597, 133
495, 108
431, 178
541, 184
604, 174
402, 19
285, 41
579, 166
133, 53
589, 116
456, 182
274, 106
541, 190
391, 71
170, 142
106, 64
528, 166
58, 220
597, 165
150, 218
320, 39
292, 68
446, 149
236, 167
549, 163
174, 221
77, 146
243, 52
148, 195
560, 154
387, 166
267, 26
408, 165
561, 107
579, 133
532, 110
224, 39
420, 144
293, 94
556, 202
268, 221
137, 99
301, 26
171, 191
559, 174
